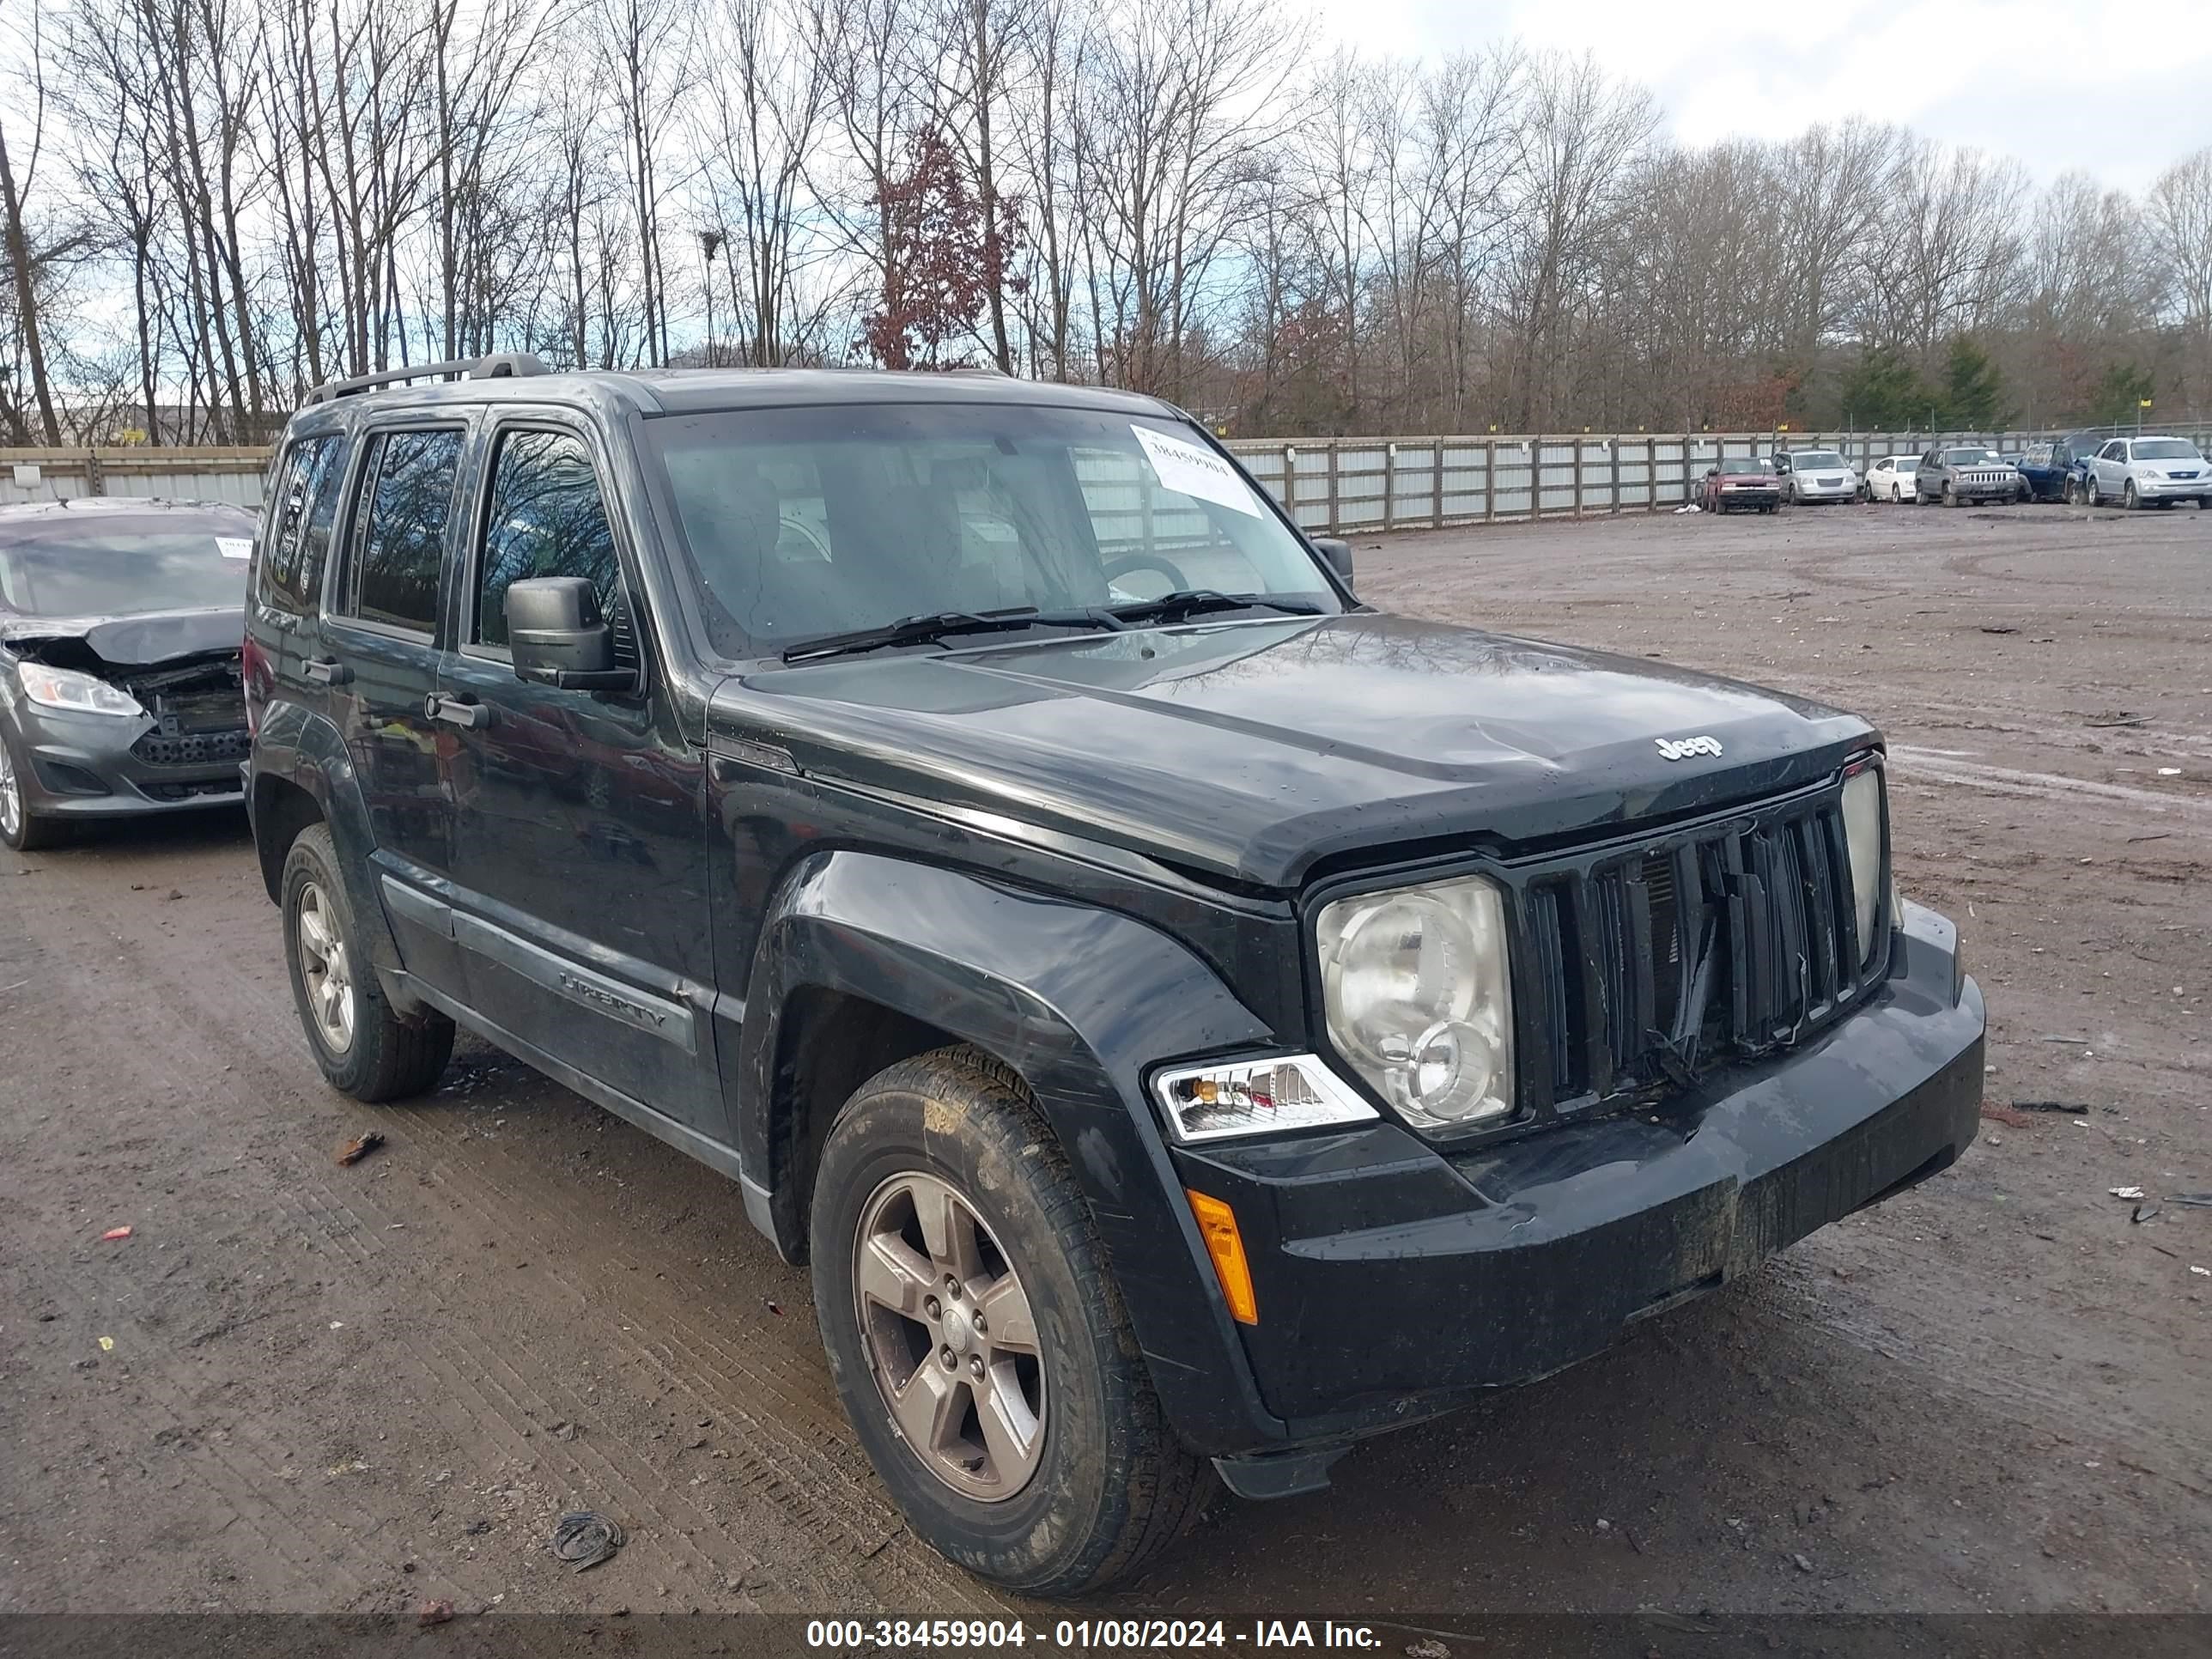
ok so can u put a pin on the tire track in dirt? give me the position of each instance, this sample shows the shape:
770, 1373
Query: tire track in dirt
816, 1523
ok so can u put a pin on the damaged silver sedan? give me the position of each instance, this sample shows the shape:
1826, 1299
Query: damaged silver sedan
121, 625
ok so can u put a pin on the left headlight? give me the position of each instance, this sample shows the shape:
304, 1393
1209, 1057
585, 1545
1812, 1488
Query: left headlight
1863, 824
80, 694
1419, 1000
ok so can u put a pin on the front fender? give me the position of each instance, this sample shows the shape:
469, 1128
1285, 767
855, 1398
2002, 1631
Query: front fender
1080, 1001
297, 746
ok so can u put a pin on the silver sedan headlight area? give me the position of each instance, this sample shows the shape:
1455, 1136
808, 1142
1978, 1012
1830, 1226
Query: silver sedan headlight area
1863, 825
1419, 1000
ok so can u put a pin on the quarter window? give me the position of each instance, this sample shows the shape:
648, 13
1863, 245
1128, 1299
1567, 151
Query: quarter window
407, 495
547, 518
306, 507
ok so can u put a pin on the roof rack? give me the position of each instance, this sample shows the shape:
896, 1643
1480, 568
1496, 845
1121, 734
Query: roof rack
498, 366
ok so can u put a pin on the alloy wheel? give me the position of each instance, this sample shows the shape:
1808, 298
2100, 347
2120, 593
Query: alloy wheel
325, 967
11, 795
949, 1337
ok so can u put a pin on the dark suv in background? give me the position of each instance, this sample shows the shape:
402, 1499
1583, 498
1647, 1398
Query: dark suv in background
1188, 1019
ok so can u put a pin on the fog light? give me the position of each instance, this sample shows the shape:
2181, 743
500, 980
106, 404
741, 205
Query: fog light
1256, 1097
1217, 1224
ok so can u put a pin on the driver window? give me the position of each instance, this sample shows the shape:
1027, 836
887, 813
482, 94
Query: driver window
546, 518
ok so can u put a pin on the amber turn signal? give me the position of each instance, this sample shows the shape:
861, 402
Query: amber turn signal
1217, 1224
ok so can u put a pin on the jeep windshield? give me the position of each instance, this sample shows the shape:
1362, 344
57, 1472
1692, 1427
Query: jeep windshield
1970, 457
101, 568
860, 526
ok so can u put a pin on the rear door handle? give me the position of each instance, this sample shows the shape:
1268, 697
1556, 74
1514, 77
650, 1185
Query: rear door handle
327, 670
475, 716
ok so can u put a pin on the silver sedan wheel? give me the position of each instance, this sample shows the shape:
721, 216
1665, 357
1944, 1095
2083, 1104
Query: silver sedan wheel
949, 1337
11, 795
326, 967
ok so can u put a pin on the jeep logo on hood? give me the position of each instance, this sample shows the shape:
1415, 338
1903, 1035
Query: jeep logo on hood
1682, 747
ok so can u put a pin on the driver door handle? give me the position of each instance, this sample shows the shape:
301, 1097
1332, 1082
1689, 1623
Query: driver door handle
327, 670
454, 711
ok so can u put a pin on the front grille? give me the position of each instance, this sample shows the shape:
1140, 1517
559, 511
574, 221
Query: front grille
192, 748
1652, 965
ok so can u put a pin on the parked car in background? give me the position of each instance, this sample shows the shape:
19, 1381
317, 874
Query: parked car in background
1740, 485
1890, 479
2149, 472
121, 623
1955, 474
1817, 474
2042, 474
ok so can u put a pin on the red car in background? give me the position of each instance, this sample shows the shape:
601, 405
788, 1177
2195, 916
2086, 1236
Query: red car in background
1741, 483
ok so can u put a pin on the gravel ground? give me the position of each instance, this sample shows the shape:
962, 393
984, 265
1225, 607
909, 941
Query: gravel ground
305, 1387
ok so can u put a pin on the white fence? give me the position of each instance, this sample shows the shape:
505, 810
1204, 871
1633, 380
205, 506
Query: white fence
1346, 486
199, 473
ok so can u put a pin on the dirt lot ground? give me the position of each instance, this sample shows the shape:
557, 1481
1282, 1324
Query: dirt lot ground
354, 1389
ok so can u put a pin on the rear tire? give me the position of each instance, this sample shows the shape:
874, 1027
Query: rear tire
1106, 1486
363, 1046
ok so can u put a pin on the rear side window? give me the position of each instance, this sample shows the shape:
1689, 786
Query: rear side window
298, 534
546, 518
399, 527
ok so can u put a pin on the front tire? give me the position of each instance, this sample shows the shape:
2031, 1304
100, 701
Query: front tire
946, 1222
2129, 502
2095, 495
20, 827
364, 1047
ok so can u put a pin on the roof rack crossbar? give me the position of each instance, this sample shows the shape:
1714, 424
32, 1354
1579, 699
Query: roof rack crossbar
498, 366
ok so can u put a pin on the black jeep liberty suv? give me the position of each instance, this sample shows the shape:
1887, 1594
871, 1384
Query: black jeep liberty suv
1187, 1020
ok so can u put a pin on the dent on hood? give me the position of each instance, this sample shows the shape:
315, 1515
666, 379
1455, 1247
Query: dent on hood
102, 645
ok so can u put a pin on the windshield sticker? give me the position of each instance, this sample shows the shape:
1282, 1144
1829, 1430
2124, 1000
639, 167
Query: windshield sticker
235, 547
1195, 471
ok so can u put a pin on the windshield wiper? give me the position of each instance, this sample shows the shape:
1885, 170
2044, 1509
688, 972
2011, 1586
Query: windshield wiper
921, 630
1192, 601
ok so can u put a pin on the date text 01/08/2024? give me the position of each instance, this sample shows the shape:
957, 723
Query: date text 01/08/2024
855, 1635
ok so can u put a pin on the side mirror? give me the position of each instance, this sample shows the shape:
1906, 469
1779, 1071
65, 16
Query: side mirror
558, 637
1339, 555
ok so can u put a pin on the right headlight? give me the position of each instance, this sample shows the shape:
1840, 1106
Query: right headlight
1864, 817
1419, 1000
80, 694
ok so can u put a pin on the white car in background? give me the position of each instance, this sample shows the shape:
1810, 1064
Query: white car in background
1817, 474
1890, 479
2149, 471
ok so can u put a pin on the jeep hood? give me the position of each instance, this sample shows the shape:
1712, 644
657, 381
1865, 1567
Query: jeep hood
1254, 749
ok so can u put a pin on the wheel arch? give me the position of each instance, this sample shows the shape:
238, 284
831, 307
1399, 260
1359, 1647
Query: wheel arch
865, 959
302, 774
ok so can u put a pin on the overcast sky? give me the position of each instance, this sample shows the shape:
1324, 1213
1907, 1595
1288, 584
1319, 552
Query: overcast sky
2119, 89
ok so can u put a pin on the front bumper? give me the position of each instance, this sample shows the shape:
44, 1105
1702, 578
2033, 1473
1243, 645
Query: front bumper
2173, 490
1729, 499
1393, 1280
94, 766
1810, 494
